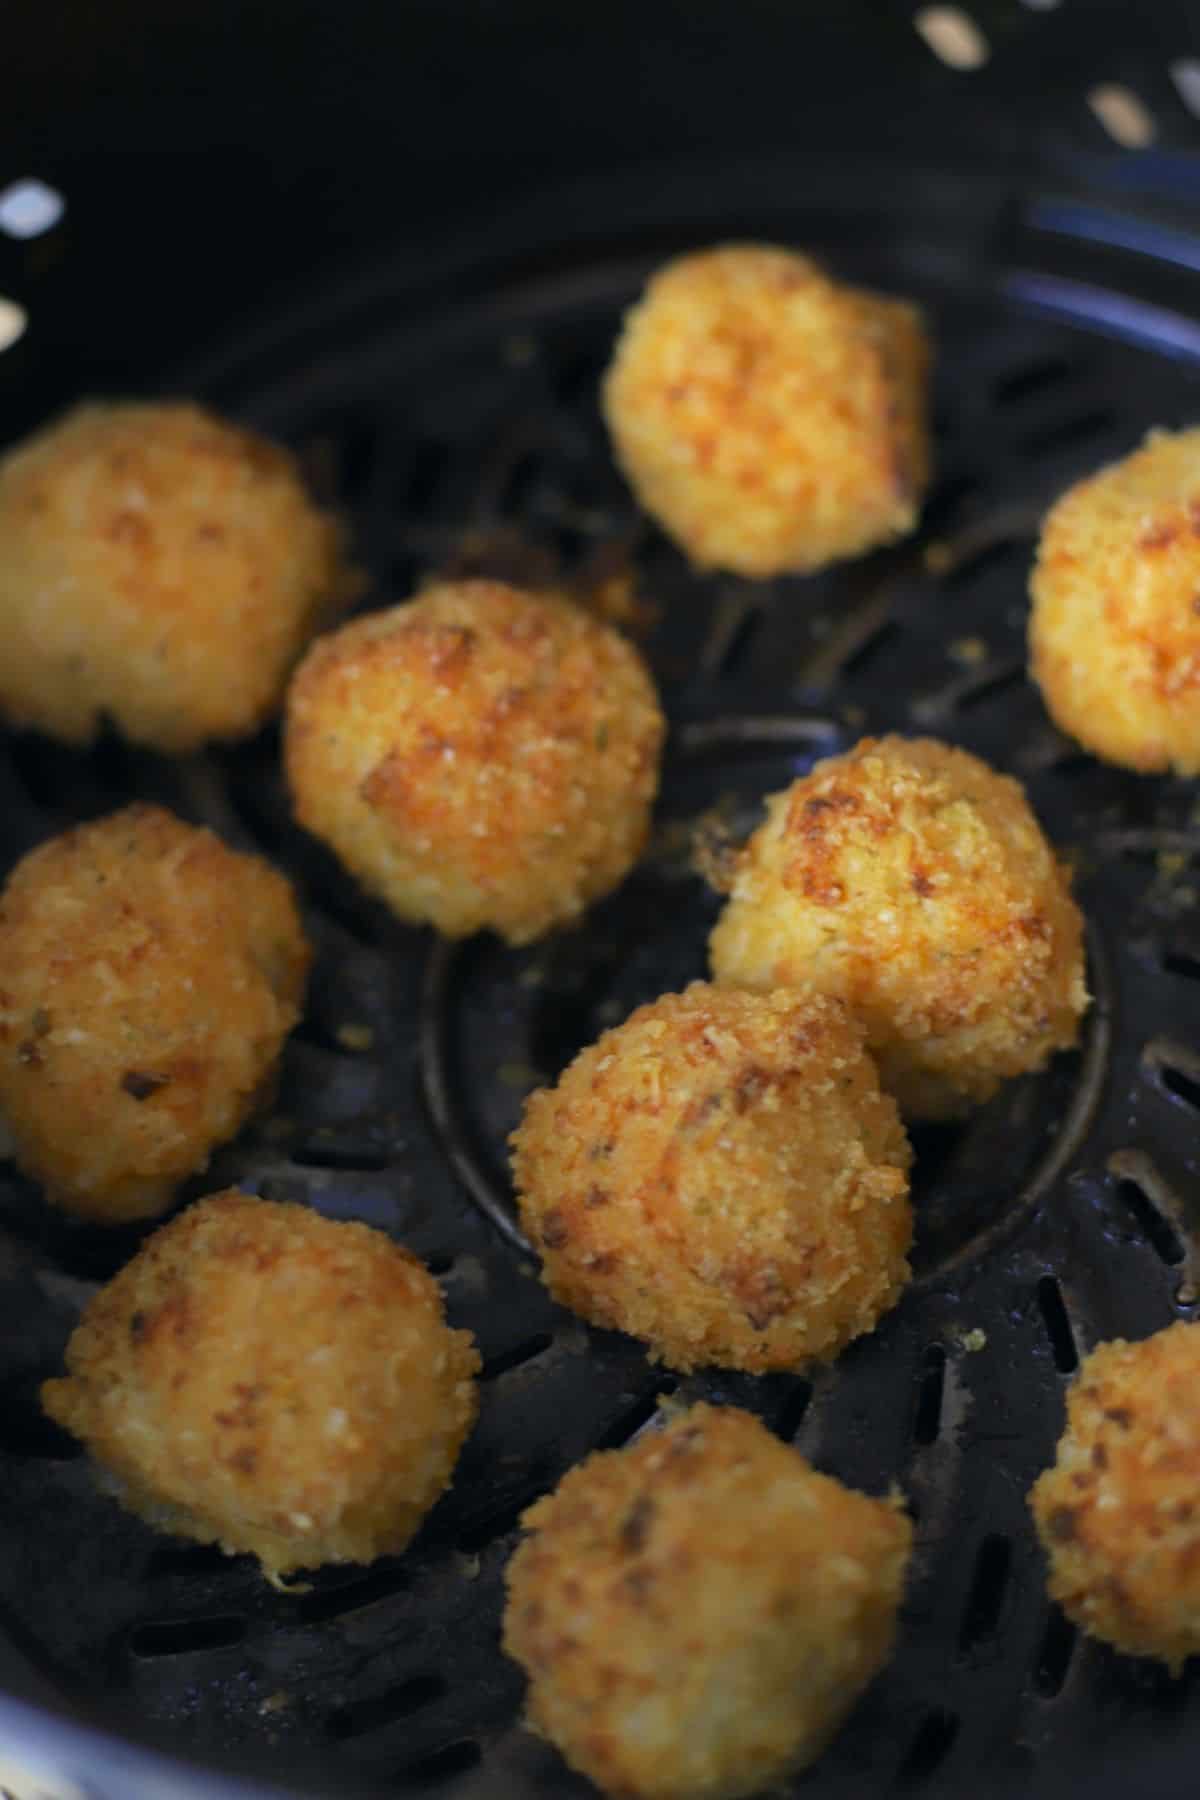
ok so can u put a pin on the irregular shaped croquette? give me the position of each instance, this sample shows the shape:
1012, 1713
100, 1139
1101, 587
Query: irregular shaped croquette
1114, 634
698, 1613
148, 979
480, 757
768, 418
1119, 1513
913, 882
273, 1381
159, 568
721, 1176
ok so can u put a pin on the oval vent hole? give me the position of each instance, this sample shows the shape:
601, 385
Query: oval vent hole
1058, 1325
1181, 1085
631, 1421
521, 1353
352, 1152
981, 1615
332, 1603
930, 1747
187, 1559
990, 686
1030, 378
1002, 549
478, 1533
885, 637
441, 1765
791, 1414
384, 1709
1067, 434
1054, 1654
927, 1413
1158, 1232
185, 1637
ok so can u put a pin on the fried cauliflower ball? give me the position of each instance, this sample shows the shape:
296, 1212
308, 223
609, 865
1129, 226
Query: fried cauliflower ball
1119, 1513
913, 882
479, 757
721, 1177
159, 568
698, 1613
770, 419
148, 979
273, 1381
1114, 633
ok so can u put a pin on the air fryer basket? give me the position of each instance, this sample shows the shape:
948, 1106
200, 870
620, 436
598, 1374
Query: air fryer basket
448, 401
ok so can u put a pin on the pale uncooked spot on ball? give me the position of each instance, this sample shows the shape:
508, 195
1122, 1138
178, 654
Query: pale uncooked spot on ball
481, 757
205, 1377
698, 1613
769, 419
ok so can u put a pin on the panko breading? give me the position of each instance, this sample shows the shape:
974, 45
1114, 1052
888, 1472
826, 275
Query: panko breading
1114, 633
148, 979
698, 1613
768, 418
479, 757
273, 1381
160, 568
1119, 1513
721, 1176
913, 882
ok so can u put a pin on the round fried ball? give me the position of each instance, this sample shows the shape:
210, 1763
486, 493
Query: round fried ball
273, 1381
698, 1613
768, 418
1114, 633
148, 979
159, 568
1119, 1513
914, 882
722, 1177
479, 757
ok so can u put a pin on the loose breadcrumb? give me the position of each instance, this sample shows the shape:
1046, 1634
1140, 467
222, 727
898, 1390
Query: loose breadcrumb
480, 757
159, 568
148, 979
1119, 1513
698, 1613
768, 418
273, 1381
914, 882
721, 1176
1114, 633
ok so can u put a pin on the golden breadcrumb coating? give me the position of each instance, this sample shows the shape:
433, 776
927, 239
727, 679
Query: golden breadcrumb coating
148, 979
478, 757
698, 1613
913, 882
1114, 633
1119, 1513
722, 1177
770, 419
273, 1381
160, 568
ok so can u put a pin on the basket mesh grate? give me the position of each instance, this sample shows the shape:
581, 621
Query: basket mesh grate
1063, 1214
